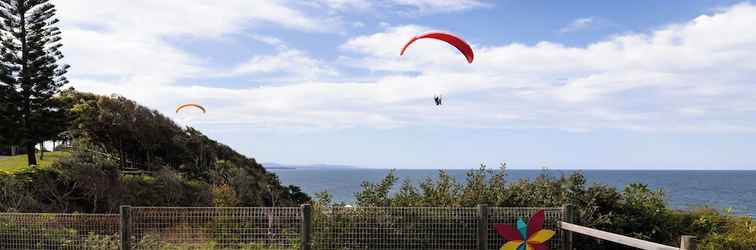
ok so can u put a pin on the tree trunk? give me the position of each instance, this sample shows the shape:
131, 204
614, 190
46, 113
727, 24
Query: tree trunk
149, 160
42, 151
32, 159
123, 159
24, 77
121, 155
94, 210
13, 150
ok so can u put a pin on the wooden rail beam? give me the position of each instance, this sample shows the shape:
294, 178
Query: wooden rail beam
688, 242
616, 238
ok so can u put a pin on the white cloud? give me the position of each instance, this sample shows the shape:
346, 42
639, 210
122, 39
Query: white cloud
124, 55
430, 6
693, 76
287, 64
291, 63
578, 24
346, 4
125, 41
196, 17
404, 6
269, 40
358, 24
380, 51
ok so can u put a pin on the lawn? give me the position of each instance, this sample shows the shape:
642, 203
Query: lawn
13, 164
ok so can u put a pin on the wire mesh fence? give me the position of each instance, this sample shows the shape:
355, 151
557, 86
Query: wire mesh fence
215, 228
271, 228
59, 231
396, 228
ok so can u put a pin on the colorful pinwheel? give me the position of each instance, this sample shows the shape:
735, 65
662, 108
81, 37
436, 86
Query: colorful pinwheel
525, 237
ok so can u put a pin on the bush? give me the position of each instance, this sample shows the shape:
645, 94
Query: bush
153, 242
635, 211
91, 183
101, 242
94, 181
224, 196
722, 231
14, 195
26, 233
167, 188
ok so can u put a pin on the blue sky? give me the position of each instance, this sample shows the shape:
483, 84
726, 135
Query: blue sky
557, 84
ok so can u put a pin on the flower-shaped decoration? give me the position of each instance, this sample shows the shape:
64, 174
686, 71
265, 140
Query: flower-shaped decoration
523, 236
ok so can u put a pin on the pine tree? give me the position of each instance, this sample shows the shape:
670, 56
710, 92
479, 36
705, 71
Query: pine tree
30, 75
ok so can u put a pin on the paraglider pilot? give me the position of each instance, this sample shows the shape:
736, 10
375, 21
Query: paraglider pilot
451, 39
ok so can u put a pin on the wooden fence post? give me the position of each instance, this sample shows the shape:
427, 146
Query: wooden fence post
688, 242
482, 227
124, 230
306, 227
569, 217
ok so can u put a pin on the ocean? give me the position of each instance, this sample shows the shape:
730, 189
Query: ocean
734, 190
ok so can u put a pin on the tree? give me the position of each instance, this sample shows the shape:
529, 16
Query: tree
30, 75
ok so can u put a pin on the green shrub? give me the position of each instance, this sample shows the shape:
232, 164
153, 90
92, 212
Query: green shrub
167, 188
14, 195
635, 211
61, 237
153, 242
224, 196
101, 242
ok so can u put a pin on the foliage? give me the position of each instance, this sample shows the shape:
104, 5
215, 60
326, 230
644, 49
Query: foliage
14, 197
30, 74
716, 230
224, 196
92, 183
103, 242
137, 137
167, 188
635, 211
181, 165
153, 241
96, 179
30, 232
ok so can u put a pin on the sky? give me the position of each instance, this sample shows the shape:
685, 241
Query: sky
555, 84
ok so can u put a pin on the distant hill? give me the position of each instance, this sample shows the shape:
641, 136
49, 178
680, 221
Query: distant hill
310, 166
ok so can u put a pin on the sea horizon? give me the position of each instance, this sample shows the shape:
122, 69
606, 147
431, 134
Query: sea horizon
492, 167
683, 189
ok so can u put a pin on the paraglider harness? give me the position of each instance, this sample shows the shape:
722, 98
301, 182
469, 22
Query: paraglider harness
439, 100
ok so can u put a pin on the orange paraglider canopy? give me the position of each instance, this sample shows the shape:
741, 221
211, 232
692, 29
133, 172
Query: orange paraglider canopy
180, 107
454, 40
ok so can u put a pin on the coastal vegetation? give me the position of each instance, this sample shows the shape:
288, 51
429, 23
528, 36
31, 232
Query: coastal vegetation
123, 153
115, 161
635, 211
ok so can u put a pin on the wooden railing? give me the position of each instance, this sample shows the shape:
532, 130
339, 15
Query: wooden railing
686, 242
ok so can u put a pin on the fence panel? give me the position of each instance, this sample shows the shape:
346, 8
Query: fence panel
215, 228
268, 228
505, 215
395, 228
59, 231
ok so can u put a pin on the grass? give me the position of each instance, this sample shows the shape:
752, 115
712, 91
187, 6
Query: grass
18, 163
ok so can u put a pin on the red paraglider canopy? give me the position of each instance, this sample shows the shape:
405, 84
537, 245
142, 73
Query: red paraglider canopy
455, 41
